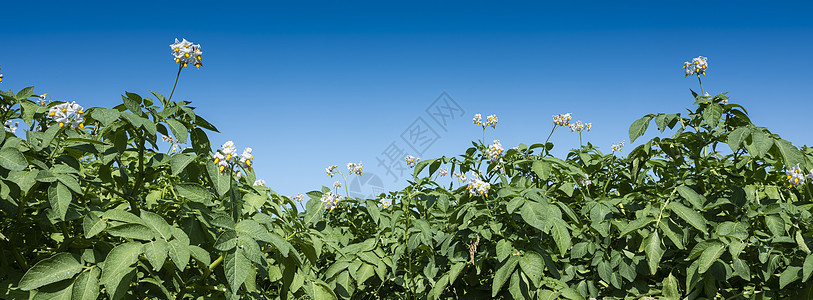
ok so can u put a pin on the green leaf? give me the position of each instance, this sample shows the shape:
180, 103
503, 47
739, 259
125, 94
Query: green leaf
12, 159
200, 254
93, 225
532, 265
807, 268
654, 252
321, 291
736, 137
131, 231
561, 236
760, 143
253, 229
790, 154
689, 215
178, 130
693, 197
236, 267
156, 252
118, 262
157, 224
605, 271
282, 245
674, 233
60, 198
636, 224
226, 241
671, 287
502, 275
56, 268
800, 241
712, 114
571, 294
504, 249
105, 115
790, 275
179, 248
535, 214
741, 269
195, 192
638, 128
221, 182
256, 201
86, 285
25, 93
542, 169
179, 161
200, 142
775, 224
122, 216
710, 255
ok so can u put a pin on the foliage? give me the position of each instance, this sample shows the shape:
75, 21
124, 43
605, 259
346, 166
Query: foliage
100, 212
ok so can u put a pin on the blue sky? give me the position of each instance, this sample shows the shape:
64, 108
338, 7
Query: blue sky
309, 84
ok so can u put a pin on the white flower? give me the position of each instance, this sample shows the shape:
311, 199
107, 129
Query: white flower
412, 161
491, 120
184, 52
11, 127
298, 197
478, 119
221, 162
443, 172
354, 168
246, 158
68, 113
697, 66
618, 147
383, 203
331, 170
259, 182
239, 175
42, 100
460, 176
494, 151
795, 176
229, 150
331, 200
562, 119
477, 186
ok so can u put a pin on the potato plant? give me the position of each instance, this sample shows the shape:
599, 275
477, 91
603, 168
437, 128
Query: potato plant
90, 207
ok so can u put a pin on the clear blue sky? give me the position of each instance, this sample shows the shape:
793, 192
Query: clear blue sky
309, 84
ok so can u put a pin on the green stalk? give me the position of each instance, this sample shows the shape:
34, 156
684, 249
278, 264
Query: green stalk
180, 67
701, 85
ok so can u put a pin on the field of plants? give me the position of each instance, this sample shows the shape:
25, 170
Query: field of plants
715, 207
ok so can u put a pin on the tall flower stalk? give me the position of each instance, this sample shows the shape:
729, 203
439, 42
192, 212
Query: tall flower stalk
185, 53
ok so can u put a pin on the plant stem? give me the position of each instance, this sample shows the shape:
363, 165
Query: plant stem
180, 67
701, 85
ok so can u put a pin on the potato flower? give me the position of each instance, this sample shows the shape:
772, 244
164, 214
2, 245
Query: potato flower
331, 170
68, 113
186, 53
412, 161
795, 176
494, 151
354, 168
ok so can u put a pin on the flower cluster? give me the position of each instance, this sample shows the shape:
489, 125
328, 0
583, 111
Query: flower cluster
494, 151
796, 177
412, 161
68, 113
331, 200
562, 119
477, 186
460, 176
331, 170
579, 126
443, 172
491, 120
354, 168
11, 127
384, 203
298, 198
186, 53
228, 152
259, 182
618, 147
337, 184
246, 159
697, 66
